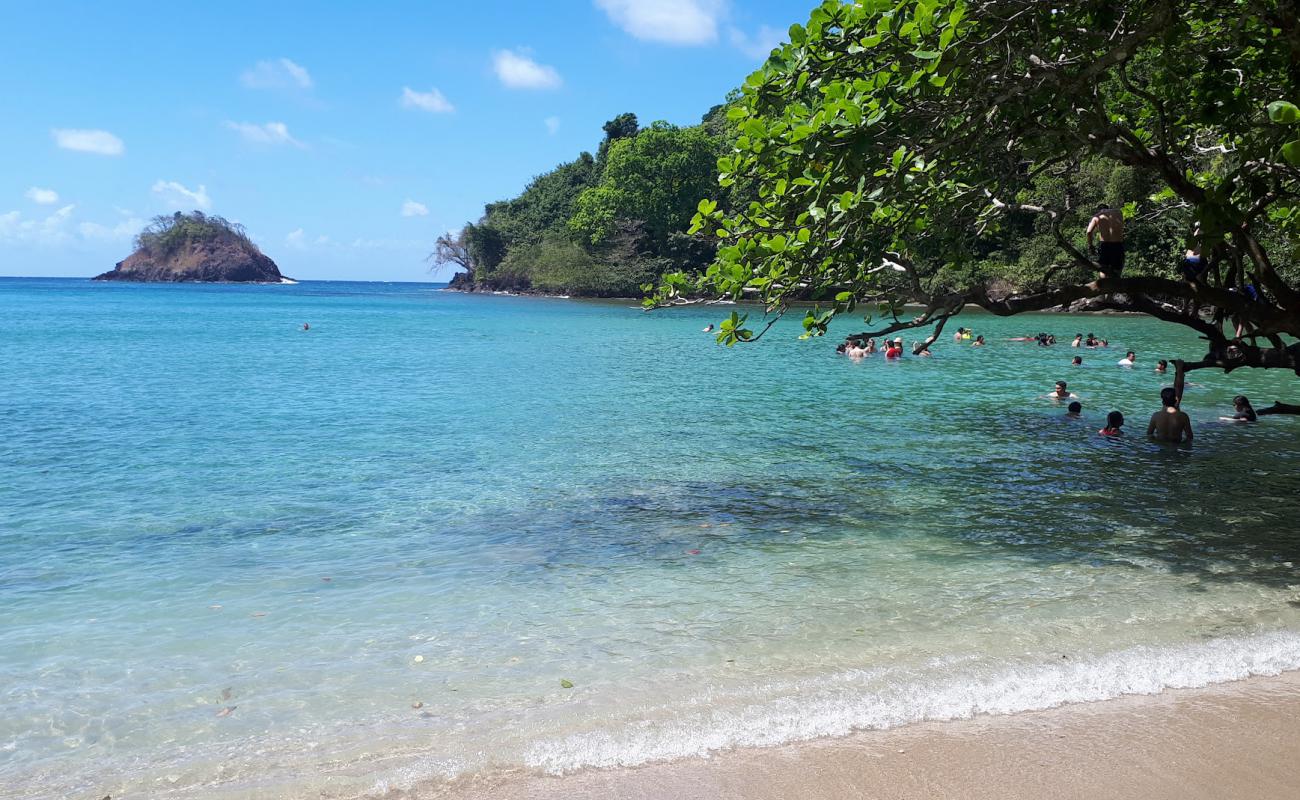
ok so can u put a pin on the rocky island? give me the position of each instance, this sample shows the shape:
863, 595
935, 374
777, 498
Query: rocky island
195, 247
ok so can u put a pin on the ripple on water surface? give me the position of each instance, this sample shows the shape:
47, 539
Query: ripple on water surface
234, 555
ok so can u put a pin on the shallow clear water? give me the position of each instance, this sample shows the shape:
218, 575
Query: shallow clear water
461, 502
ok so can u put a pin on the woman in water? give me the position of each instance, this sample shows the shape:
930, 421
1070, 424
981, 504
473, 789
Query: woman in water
1243, 411
979, 341
1114, 421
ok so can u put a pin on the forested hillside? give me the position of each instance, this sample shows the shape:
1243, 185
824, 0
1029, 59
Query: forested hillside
602, 225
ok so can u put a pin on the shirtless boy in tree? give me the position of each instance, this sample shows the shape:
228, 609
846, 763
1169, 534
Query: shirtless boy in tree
1170, 425
1108, 223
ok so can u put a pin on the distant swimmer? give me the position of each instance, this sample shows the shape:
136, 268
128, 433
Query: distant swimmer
1243, 411
1077, 361
1061, 392
921, 349
1114, 421
1108, 224
708, 328
1162, 366
895, 350
1129, 358
1171, 424
1074, 410
1078, 340
957, 337
306, 327
979, 341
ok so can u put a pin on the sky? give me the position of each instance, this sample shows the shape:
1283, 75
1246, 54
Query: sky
345, 137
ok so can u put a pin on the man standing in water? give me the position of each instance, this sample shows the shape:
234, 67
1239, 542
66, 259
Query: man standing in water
1170, 425
1108, 223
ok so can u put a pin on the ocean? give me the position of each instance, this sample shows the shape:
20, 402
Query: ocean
441, 537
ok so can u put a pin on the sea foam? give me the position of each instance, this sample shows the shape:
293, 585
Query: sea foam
859, 700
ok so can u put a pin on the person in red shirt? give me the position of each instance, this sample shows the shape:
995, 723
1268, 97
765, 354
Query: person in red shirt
1114, 421
895, 349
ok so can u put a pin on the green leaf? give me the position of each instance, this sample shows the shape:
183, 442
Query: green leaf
565, 683
926, 55
1282, 112
1291, 152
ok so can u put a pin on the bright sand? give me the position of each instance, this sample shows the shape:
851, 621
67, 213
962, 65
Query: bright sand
1239, 740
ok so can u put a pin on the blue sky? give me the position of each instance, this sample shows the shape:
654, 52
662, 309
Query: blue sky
345, 138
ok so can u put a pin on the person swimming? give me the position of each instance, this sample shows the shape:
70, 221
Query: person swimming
306, 327
1078, 340
708, 328
979, 341
1129, 358
1074, 410
1114, 421
1061, 392
1243, 411
1162, 366
1077, 361
895, 350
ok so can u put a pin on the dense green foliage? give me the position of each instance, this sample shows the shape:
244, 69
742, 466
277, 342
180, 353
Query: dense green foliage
167, 235
602, 226
913, 151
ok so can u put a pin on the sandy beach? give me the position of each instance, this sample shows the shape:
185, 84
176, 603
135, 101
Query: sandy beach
1239, 740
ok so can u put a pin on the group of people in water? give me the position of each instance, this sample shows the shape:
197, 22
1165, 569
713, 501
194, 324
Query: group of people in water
1170, 424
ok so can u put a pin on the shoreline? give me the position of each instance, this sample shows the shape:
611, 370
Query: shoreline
1239, 739
755, 304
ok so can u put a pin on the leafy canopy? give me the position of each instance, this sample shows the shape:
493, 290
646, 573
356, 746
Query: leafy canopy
892, 145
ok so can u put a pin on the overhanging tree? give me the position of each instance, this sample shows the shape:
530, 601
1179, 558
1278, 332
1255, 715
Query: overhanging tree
892, 142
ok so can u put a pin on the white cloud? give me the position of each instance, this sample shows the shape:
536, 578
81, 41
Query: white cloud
391, 244
268, 133
518, 71
122, 231
49, 231
176, 194
88, 141
297, 239
432, 100
43, 197
278, 74
679, 22
552, 125
413, 209
760, 44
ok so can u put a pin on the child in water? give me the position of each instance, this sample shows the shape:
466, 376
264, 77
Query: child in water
1114, 421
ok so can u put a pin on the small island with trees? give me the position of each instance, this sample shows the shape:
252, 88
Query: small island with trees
195, 248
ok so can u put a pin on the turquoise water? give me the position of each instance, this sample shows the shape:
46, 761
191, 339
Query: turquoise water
385, 542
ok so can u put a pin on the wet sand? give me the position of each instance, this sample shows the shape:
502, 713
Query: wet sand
1238, 740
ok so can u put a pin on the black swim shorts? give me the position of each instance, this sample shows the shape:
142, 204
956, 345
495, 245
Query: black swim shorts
1110, 255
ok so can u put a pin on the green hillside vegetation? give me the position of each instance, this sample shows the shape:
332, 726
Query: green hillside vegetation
169, 234
603, 225
607, 225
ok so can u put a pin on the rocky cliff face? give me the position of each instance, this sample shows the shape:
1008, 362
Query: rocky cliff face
199, 261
